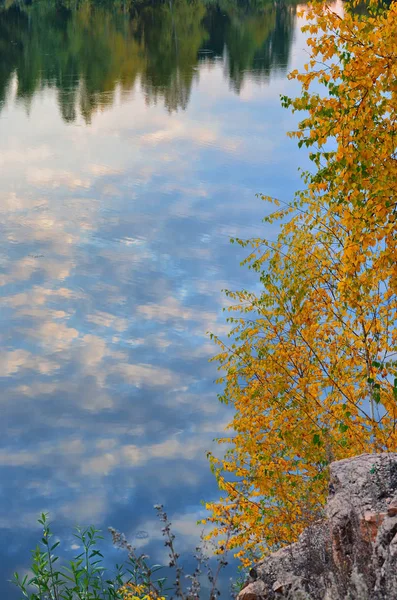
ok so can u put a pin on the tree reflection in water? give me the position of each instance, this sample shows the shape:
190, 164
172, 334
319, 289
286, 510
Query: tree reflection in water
86, 50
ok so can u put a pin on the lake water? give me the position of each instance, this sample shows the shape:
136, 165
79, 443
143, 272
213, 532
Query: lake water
132, 143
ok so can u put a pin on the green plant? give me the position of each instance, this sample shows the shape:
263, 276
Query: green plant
81, 578
85, 577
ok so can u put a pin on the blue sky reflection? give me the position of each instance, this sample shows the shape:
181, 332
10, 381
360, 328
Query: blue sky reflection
114, 250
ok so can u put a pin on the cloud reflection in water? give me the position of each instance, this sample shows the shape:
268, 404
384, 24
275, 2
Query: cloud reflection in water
114, 248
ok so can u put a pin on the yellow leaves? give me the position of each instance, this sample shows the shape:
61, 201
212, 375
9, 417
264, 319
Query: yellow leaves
302, 380
131, 591
351, 253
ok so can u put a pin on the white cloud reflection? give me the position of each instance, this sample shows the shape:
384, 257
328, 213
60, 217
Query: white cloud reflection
113, 254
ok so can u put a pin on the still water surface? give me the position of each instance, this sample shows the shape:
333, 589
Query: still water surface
132, 144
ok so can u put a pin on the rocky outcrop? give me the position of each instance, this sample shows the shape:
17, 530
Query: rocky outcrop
352, 554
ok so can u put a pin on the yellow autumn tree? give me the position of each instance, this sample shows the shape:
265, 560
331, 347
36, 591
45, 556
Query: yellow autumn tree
355, 60
310, 366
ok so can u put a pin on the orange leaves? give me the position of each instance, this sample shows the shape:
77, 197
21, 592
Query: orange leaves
313, 373
360, 114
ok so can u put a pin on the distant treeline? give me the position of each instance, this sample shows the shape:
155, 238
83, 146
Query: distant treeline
248, 5
85, 49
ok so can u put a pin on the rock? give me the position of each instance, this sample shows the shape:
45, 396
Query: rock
278, 587
392, 508
370, 524
352, 553
254, 591
286, 585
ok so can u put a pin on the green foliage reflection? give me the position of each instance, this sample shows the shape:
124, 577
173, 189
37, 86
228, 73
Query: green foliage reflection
86, 50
